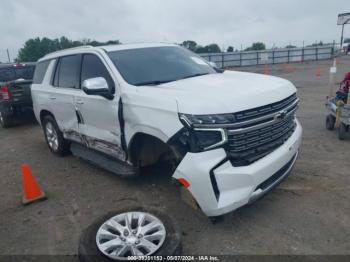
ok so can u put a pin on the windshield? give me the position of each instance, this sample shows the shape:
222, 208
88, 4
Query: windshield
13, 73
156, 65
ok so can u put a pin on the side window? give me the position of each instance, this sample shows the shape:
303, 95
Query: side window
93, 67
67, 72
40, 71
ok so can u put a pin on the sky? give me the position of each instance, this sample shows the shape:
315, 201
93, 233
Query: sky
225, 22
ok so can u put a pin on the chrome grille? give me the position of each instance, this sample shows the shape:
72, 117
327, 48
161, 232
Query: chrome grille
260, 131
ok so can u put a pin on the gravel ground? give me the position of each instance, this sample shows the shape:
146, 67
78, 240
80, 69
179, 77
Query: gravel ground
309, 213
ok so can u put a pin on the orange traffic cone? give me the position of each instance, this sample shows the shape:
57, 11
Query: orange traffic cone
32, 191
318, 71
266, 70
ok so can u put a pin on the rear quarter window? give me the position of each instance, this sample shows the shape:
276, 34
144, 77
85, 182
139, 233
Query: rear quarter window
40, 71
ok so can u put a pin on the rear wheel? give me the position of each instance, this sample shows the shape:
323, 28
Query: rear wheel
342, 131
54, 137
330, 122
5, 122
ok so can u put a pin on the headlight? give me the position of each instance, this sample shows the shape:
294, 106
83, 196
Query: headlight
210, 138
198, 120
206, 138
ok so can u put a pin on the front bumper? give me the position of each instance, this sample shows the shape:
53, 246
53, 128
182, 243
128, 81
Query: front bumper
219, 187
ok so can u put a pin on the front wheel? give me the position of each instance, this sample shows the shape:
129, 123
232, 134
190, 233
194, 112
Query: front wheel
54, 137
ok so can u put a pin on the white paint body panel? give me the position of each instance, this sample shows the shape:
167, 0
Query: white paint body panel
154, 110
236, 184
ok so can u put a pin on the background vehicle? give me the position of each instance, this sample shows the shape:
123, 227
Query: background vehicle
15, 96
232, 136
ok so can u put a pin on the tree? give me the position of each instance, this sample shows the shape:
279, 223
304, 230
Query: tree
194, 47
36, 48
213, 48
256, 46
230, 49
190, 44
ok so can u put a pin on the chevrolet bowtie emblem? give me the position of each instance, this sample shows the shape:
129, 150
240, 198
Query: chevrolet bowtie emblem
281, 115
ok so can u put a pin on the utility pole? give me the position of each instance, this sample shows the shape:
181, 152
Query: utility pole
8, 55
342, 35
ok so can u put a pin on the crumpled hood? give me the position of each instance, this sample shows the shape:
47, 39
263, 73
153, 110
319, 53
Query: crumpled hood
229, 92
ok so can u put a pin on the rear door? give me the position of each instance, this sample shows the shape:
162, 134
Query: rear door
65, 85
99, 123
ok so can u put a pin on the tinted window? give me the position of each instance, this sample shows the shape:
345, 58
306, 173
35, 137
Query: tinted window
7, 74
158, 64
40, 71
16, 72
67, 72
93, 67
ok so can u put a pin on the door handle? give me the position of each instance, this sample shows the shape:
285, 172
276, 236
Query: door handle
80, 102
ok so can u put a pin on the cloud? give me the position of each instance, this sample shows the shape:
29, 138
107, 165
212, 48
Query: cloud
226, 22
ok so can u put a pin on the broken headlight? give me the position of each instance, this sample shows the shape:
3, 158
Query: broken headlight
198, 120
202, 139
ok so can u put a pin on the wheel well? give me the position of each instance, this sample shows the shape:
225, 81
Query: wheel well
145, 150
44, 113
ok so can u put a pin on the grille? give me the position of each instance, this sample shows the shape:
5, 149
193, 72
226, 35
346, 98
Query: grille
261, 131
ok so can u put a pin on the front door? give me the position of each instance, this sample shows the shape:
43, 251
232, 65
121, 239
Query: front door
98, 124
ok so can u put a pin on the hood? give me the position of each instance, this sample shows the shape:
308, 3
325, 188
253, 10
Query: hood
228, 92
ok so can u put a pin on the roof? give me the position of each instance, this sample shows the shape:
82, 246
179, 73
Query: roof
107, 48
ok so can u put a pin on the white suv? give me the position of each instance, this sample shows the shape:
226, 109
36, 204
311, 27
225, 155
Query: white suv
233, 136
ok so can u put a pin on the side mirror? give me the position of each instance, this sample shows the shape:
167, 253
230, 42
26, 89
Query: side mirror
97, 86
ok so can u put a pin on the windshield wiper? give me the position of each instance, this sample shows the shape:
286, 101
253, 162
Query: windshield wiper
153, 83
199, 74
157, 82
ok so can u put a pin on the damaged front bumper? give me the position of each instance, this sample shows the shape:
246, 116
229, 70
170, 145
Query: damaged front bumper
219, 188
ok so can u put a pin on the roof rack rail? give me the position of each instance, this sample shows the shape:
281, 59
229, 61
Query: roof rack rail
72, 48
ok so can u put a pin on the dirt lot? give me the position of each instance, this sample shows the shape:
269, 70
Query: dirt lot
309, 213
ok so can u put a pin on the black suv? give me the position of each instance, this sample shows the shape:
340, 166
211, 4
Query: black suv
15, 94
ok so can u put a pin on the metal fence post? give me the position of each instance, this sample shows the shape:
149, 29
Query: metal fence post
316, 53
273, 56
302, 55
240, 58
209, 57
288, 56
257, 58
222, 60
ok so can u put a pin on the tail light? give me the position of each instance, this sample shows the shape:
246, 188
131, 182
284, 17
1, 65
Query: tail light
5, 93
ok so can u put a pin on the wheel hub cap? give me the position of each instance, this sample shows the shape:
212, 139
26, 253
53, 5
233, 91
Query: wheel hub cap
130, 234
51, 136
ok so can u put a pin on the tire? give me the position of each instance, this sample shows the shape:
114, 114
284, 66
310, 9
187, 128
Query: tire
60, 146
89, 252
330, 122
342, 131
5, 122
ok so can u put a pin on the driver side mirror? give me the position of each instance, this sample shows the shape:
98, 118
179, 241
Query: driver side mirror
97, 86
